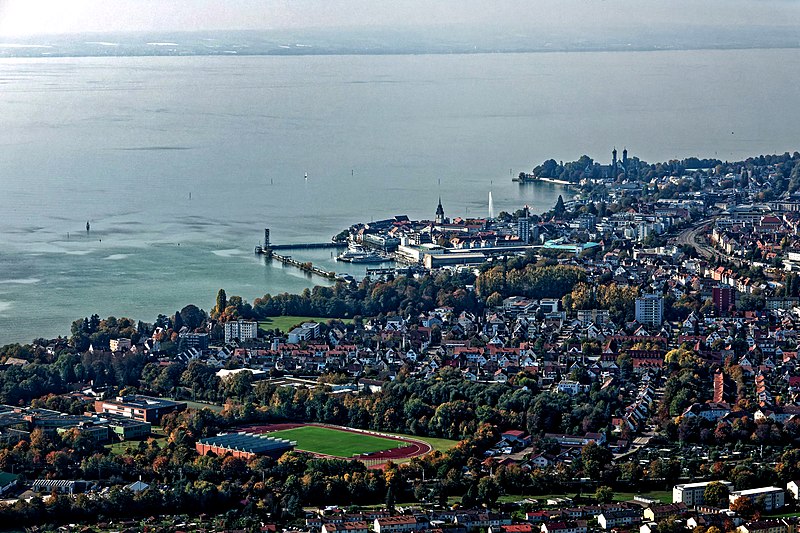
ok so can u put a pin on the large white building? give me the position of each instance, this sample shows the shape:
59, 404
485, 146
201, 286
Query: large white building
119, 345
770, 497
691, 494
241, 330
524, 228
596, 316
650, 309
305, 332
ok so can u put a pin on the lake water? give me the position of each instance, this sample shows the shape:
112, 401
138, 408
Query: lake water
124, 142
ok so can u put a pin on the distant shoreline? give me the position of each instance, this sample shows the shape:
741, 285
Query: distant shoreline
530, 178
553, 180
13, 50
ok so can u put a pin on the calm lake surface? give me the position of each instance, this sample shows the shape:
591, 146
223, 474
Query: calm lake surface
125, 142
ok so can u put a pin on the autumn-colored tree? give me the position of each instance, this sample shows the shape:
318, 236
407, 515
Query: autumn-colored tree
160, 465
233, 468
494, 300
681, 357
604, 494
716, 494
743, 506
222, 303
594, 459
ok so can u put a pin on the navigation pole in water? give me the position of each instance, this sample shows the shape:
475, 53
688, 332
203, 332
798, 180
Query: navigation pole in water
87, 226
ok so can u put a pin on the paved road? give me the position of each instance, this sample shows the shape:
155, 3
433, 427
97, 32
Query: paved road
693, 236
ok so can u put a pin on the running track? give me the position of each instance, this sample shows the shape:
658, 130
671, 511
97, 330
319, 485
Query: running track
411, 447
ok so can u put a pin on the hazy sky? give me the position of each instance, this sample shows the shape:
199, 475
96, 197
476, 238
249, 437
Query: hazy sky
30, 17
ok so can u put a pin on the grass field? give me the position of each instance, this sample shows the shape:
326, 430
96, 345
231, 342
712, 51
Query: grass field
664, 496
440, 445
334, 442
118, 448
283, 323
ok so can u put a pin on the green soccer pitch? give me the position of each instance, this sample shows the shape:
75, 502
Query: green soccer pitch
338, 443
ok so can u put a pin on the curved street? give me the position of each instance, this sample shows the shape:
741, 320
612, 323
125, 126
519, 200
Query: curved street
694, 236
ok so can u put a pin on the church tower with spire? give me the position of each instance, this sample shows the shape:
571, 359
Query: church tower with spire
625, 161
440, 212
614, 162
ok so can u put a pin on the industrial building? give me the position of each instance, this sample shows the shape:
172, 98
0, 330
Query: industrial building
244, 445
138, 407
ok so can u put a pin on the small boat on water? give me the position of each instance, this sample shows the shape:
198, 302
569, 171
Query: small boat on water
359, 255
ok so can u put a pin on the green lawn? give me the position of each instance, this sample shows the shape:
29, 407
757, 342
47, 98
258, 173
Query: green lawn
284, 323
334, 442
439, 445
664, 496
118, 448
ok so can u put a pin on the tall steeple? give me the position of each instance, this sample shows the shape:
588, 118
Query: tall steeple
625, 161
614, 161
440, 212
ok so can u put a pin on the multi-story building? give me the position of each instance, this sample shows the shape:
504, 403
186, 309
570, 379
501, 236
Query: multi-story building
138, 407
198, 341
96, 432
516, 528
596, 316
305, 332
569, 526
794, 488
724, 298
691, 494
766, 526
768, 498
549, 305
650, 309
396, 524
524, 228
657, 513
240, 329
624, 518
128, 428
346, 527
119, 345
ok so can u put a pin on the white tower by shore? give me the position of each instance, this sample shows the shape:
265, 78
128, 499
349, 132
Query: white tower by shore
491, 205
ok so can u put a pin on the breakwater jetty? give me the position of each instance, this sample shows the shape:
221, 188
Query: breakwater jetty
309, 246
267, 245
304, 266
268, 249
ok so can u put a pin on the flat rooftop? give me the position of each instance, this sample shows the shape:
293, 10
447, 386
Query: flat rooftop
143, 402
248, 442
700, 484
760, 490
123, 421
